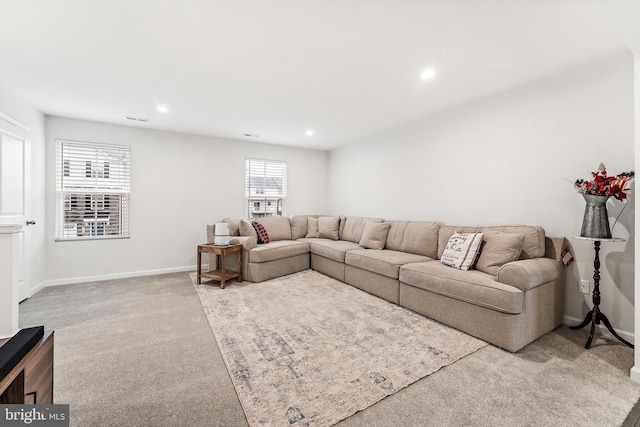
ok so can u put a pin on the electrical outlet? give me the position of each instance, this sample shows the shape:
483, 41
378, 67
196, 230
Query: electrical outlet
583, 286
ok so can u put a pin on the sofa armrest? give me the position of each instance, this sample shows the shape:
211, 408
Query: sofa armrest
554, 247
529, 273
247, 242
211, 232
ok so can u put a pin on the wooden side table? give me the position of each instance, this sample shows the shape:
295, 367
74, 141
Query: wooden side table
595, 316
220, 274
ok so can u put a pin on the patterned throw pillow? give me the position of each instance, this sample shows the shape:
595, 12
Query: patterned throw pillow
462, 250
263, 237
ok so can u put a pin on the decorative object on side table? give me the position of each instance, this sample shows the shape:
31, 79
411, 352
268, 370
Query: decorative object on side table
596, 192
221, 237
595, 227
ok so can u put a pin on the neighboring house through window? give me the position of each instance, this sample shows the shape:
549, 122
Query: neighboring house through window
93, 186
266, 188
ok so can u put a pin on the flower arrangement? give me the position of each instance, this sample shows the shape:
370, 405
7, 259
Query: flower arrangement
603, 185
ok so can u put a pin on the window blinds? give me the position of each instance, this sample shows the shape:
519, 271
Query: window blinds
266, 188
93, 186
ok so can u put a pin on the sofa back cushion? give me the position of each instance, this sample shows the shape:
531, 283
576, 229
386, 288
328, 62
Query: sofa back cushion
298, 226
354, 227
533, 245
278, 228
416, 237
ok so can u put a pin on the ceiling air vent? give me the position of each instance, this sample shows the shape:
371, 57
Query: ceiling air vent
136, 119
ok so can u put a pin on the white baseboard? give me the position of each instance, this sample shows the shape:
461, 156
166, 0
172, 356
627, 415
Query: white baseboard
629, 336
72, 280
635, 374
38, 288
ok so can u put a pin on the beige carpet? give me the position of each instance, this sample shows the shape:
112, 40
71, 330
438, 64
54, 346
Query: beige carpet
308, 350
140, 352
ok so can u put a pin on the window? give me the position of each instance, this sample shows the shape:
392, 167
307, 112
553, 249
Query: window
266, 181
92, 190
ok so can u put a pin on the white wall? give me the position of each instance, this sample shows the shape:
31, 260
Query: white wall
16, 107
179, 184
635, 371
510, 159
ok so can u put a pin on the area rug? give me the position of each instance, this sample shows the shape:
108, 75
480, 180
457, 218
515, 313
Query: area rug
308, 350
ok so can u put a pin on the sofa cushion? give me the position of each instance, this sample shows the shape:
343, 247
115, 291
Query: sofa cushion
384, 262
332, 249
354, 227
263, 235
279, 249
247, 230
532, 247
329, 227
279, 228
416, 237
298, 226
498, 249
374, 235
312, 227
462, 250
471, 286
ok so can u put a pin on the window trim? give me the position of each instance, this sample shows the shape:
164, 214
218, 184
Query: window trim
107, 184
257, 190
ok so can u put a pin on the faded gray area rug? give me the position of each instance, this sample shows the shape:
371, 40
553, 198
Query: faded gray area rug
308, 350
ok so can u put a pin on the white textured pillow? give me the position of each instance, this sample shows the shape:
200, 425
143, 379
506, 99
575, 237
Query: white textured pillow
462, 250
374, 235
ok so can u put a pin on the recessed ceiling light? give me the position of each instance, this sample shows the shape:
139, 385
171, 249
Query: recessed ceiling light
163, 108
309, 132
428, 74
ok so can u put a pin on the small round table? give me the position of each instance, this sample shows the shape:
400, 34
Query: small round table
595, 316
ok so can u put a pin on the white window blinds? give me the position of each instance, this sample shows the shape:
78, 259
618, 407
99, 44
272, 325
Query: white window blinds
93, 186
266, 188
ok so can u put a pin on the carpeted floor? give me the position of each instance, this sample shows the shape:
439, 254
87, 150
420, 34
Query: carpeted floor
139, 352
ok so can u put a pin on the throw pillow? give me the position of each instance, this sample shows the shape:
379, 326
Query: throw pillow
499, 249
234, 226
298, 226
328, 227
263, 237
312, 227
374, 235
461, 250
247, 230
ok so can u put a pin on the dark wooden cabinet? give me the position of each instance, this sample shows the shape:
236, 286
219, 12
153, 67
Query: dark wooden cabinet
31, 380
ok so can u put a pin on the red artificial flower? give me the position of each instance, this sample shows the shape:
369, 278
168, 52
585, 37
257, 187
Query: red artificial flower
603, 185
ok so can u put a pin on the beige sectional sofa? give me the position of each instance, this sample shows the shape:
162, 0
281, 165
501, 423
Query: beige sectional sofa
513, 297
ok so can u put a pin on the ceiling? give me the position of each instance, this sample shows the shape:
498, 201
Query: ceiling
345, 69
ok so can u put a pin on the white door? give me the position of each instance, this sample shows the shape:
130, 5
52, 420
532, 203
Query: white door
14, 197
